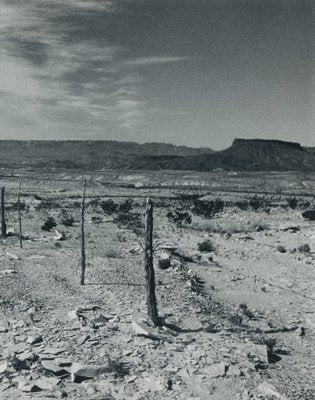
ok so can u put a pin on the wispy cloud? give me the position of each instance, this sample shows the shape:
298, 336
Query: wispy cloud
147, 61
51, 78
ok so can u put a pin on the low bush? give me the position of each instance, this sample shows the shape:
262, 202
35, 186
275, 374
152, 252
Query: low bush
309, 215
111, 253
292, 203
208, 209
242, 205
126, 206
131, 221
256, 203
180, 218
67, 220
49, 224
164, 263
304, 248
108, 206
206, 247
281, 249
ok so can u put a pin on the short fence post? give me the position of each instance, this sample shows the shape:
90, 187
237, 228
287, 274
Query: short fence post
3, 224
83, 265
20, 218
153, 317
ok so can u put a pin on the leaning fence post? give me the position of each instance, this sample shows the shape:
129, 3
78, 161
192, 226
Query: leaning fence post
20, 218
3, 224
82, 236
148, 264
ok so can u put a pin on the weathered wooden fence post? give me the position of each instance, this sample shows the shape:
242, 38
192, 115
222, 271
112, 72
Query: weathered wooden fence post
82, 281
153, 317
20, 218
3, 223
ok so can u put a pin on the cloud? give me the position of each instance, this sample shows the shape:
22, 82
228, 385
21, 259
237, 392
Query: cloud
147, 61
53, 78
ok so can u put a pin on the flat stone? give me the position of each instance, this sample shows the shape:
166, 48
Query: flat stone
8, 271
63, 362
4, 326
3, 367
16, 348
83, 339
27, 387
54, 350
34, 339
54, 367
216, 370
13, 256
80, 372
233, 371
270, 391
258, 350
45, 383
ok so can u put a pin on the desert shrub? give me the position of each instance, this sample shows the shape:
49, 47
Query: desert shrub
164, 263
108, 206
188, 196
208, 209
131, 221
67, 220
121, 237
93, 203
49, 224
256, 203
292, 203
111, 253
304, 204
180, 218
96, 219
281, 249
246, 311
304, 248
242, 205
206, 247
309, 215
126, 206
229, 227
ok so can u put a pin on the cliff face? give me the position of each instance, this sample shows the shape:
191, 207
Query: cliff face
252, 155
266, 143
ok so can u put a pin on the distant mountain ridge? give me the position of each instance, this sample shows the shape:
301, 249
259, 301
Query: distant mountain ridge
242, 155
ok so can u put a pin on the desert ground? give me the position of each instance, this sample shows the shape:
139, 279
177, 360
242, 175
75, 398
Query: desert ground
234, 265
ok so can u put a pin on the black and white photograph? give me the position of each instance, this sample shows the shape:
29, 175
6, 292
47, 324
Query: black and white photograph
157, 199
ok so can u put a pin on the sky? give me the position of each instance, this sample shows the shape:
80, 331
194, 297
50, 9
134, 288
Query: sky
188, 72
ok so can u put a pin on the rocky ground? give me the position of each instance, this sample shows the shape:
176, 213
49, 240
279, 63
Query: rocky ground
238, 314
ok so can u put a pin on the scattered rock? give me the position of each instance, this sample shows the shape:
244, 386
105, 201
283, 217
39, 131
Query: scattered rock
45, 383
27, 387
8, 271
83, 339
54, 367
216, 370
34, 339
233, 371
59, 235
4, 326
80, 372
13, 256
3, 367
16, 348
270, 391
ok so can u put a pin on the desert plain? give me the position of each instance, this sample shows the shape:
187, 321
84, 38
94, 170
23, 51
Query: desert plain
234, 270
